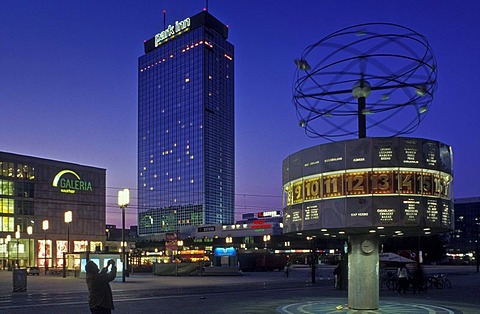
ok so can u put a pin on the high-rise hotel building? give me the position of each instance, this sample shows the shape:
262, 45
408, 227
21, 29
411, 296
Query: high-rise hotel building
186, 154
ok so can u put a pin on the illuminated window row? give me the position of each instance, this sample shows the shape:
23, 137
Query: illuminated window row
369, 182
206, 43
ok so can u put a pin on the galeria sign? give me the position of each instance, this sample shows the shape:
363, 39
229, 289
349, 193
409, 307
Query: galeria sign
69, 182
172, 30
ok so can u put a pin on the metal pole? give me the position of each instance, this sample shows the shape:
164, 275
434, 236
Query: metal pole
476, 251
68, 238
123, 244
18, 263
313, 262
45, 253
29, 249
362, 121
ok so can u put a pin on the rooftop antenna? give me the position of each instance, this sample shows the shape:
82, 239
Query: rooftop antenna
206, 5
164, 19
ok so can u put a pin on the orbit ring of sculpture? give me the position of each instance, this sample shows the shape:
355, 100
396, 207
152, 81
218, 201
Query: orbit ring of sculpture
382, 75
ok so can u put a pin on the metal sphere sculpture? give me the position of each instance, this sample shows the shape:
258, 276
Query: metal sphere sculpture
360, 78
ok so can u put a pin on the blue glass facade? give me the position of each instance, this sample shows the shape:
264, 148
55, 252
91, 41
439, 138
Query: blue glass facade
186, 129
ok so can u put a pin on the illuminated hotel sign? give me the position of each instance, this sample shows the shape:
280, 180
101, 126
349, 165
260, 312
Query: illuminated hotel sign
171, 30
68, 181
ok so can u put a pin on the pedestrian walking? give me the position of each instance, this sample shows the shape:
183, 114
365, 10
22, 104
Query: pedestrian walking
100, 299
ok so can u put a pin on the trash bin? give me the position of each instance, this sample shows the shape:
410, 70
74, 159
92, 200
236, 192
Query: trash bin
19, 280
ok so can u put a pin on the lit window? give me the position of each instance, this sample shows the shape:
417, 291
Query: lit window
187, 80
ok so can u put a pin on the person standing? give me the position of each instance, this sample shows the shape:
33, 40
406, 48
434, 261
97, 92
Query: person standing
100, 299
402, 274
337, 272
417, 279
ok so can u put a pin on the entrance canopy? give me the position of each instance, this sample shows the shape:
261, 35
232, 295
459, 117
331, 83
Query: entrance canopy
392, 257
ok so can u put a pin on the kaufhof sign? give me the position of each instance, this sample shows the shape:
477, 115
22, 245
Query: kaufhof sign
172, 30
68, 181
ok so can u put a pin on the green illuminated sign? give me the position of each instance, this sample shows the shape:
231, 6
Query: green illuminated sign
69, 182
170, 31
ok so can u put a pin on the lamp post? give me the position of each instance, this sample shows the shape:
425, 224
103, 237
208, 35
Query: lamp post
45, 228
17, 236
7, 241
266, 238
29, 232
3, 251
313, 259
123, 201
179, 244
68, 217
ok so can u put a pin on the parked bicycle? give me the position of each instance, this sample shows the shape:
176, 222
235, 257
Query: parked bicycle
390, 281
438, 281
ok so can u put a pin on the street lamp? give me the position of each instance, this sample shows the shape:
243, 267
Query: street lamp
17, 236
68, 219
3, 250
29, 232
266, 238
313, 259
45, 228
179, 244
123, 201
7, 241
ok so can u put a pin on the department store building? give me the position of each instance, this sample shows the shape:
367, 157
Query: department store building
48, 208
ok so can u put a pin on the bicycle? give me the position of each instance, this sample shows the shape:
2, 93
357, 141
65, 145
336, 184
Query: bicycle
438, 281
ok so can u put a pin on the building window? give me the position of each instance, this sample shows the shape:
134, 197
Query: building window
6, 169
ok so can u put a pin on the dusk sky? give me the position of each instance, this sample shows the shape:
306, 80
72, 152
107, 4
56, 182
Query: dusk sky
68, 82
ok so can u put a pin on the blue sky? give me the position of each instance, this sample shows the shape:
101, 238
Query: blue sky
68, 81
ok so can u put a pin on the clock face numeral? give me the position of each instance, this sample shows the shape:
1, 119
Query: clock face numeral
312, 189
333, 185
297, 192
356, 183
382, 182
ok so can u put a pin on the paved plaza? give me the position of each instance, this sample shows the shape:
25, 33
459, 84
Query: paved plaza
261, 292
